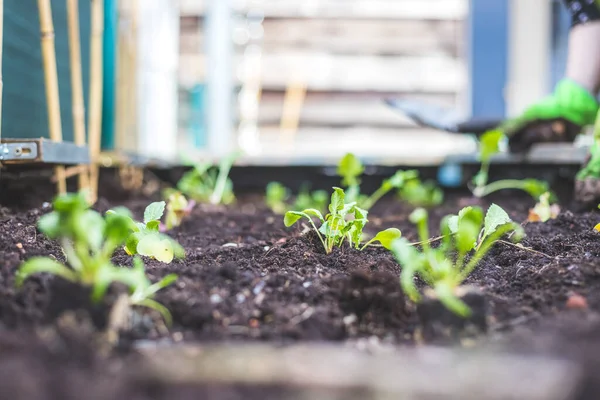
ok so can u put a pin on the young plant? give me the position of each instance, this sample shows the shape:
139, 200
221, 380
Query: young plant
88, 242
317, 199
142, 291
145, 238
350, 169
178, 208
276, 197
467, 237
544, 210
336, 227
207, 184
489, 144
421, 194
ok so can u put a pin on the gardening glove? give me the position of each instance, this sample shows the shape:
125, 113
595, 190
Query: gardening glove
587, 181
557, 118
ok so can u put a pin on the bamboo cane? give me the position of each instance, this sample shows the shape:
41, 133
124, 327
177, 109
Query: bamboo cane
78, 106
95, 103
51, 80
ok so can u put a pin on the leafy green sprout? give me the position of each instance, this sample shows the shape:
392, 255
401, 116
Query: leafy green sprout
489, 145
344, 222
145, 238
89, 242
350, 168
277, 199
207, 184
142, 291
467, 238
421, 194
178, 207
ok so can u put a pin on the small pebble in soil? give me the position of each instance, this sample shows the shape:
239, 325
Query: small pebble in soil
307, 284
215, 298
230, 245
177, 336
577, 302
349, 319
259, 287
240, 298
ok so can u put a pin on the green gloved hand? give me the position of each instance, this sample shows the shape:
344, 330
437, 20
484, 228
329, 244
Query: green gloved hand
557, 118
587, 182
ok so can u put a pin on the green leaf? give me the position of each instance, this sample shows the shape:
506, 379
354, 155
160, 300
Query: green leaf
70, 202
90, 227
350, 168
49, 225
37, 265
164, 311
489, 144
387, 237
494, 218
153, 225
153, 245
418, 215
337, 200
117, 228
470, 220
314, 213
452, 223
132, 243
291, 217
154, 211
168, 280
535, 188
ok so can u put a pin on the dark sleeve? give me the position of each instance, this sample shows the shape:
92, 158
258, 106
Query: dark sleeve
583, 11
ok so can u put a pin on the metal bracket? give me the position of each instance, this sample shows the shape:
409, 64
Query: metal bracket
44, 151
18, 151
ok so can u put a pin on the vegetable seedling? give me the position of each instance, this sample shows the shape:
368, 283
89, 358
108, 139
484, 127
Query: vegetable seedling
142, 291
336, 227
88, 241
544, 210
178, 207
350, 168
489, 144
145, 238
207, 184
276, 197
421, 194
467, 237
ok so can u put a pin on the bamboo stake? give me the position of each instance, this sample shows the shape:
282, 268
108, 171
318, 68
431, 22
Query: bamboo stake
78, 106
95, 103
51, 80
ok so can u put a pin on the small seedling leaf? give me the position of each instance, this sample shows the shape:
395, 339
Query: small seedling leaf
153, 245
494, 218
37, 265
291, 217
489, 144
350, 168
387, 237
154, 211
337, 200
49, 224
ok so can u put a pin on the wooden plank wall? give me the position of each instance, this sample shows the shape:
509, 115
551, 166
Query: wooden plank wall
350, 54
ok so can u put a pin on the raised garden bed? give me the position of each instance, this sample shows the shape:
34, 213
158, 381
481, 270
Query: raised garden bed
248, 279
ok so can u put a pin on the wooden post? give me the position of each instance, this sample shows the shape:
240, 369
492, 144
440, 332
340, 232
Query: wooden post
95, 103
78, 106
51, 80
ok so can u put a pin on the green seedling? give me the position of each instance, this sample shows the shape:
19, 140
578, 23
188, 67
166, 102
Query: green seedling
344, 222
317, 199
544, 210
351, 168
207, 184
145, 238
421, 194
178, 207
489, 144
276, 197
467, 237
142, 291
88, 242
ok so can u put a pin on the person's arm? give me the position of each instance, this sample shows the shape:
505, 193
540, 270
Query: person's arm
583, 62
573, 104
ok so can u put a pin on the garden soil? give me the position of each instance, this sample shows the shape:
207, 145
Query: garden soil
248, 278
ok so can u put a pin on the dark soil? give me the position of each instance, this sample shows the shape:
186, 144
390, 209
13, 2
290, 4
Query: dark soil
248, 278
